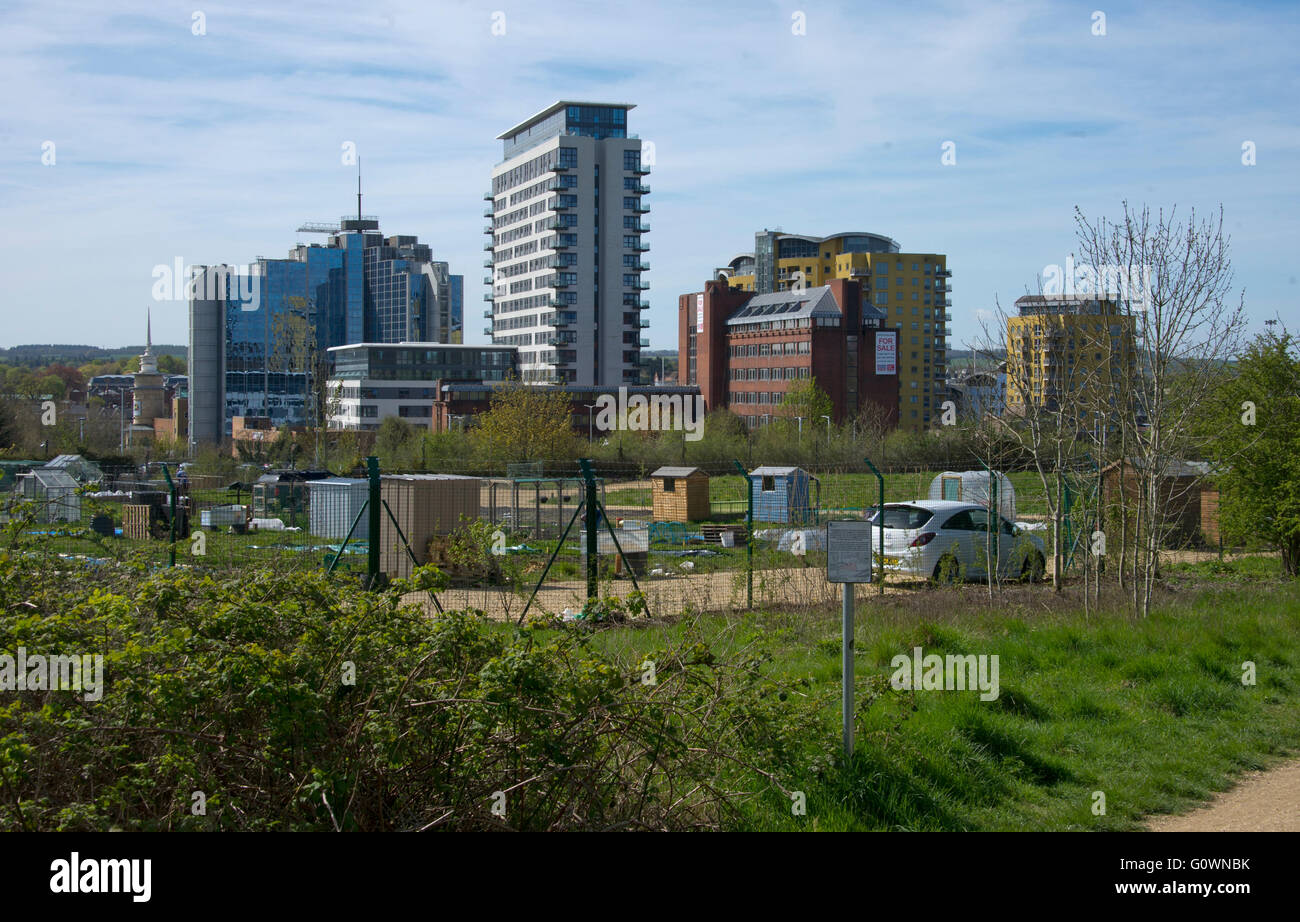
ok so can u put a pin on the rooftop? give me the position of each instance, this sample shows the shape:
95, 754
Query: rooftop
556, 107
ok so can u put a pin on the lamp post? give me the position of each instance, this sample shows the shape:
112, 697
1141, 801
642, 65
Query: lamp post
590, 417
828, 430
800, 419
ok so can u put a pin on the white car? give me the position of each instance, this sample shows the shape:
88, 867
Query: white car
949, 541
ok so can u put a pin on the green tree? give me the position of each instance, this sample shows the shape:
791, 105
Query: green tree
52, 386
9, 433
525, 423
803, 407
395, 442
171, 364
1254, 418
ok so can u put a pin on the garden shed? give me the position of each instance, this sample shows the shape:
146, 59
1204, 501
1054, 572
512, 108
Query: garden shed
1187, 495
975, 487
680, 494
333, 506
425, 506
784, 494
54, 492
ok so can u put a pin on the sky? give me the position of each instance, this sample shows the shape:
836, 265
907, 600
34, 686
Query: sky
136, 134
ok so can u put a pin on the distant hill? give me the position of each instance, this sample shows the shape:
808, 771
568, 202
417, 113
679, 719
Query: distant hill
51, 353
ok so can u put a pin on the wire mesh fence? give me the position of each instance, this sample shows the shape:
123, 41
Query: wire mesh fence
511, 538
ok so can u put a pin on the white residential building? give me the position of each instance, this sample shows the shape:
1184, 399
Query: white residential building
566, 215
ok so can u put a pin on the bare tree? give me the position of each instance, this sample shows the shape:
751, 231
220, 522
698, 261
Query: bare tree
1173, 281
1047, 397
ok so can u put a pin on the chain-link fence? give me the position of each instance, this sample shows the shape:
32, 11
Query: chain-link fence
515, 536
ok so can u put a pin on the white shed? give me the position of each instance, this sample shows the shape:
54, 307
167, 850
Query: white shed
334, 503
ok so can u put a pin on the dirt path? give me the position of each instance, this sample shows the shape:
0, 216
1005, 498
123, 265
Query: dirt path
1260, 802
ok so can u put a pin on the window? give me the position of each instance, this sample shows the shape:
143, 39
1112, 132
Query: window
908, 518
670, 485
769, 485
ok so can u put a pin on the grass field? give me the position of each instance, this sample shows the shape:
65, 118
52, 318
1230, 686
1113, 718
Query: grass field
1153, 714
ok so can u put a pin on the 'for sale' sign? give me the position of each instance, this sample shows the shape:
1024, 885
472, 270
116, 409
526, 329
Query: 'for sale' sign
887, 352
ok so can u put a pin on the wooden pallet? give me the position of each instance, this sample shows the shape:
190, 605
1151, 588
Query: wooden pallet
713, 533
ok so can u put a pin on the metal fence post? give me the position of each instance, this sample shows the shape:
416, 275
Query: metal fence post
171, 489
749, 534
881, 516
372, 559
593, 510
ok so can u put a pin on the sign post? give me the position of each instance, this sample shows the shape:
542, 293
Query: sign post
848, 562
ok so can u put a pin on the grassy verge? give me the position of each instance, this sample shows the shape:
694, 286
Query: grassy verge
1153, 714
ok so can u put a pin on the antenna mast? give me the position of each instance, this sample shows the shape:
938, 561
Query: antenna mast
358, 188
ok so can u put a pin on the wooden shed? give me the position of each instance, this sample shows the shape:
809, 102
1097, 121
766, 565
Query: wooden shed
783, 494
1188, 499
681, 494
425, 506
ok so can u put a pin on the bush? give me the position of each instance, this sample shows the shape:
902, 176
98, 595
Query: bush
297, 702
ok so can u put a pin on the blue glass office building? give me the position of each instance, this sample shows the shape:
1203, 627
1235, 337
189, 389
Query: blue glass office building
358, 287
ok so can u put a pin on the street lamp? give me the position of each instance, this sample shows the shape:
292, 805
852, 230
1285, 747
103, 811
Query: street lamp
800, 418
590, 417
828, 428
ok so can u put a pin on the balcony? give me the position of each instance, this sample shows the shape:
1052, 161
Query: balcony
555, 243
943, 273
557, 205
489, 212
643, 323
642, 189
640, 209
488, 280
489, 229
487, 196
563, 167
641, 227
489, 246
488, 264
487, 331
643, 170
645, 343
489, 298
487, 314
640, 248
639, 286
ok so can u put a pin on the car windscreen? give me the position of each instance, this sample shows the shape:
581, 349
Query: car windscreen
905, 517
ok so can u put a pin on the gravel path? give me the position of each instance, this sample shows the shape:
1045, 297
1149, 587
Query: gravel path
1261, 802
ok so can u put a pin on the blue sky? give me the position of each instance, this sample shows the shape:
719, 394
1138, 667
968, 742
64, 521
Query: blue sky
215, 147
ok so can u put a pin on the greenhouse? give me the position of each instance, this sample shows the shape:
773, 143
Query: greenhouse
973, 487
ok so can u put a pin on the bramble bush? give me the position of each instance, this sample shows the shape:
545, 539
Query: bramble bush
300, 702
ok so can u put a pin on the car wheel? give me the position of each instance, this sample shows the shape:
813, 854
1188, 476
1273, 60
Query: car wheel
947, 571
1034, 568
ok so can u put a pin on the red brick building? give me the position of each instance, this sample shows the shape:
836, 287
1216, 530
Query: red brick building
744, 350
